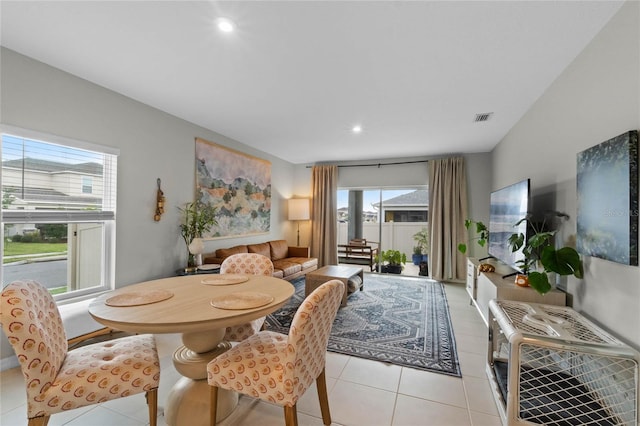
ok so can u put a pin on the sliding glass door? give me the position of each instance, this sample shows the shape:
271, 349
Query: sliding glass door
389, 217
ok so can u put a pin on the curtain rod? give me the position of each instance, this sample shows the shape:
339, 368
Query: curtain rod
377, 164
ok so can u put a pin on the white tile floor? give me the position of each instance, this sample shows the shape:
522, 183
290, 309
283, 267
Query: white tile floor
361, 392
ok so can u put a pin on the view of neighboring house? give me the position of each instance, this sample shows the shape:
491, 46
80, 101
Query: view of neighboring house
66, 200
34, 184
411, 207
343, 215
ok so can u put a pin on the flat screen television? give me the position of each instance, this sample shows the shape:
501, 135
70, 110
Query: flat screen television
508, 205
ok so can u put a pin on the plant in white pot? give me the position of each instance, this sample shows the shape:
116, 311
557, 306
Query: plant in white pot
197, 218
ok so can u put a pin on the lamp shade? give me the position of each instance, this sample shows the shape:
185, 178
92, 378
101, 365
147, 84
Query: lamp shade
299, 209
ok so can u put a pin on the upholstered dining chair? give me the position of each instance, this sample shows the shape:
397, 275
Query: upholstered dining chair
246, 263
278, 368
59, 380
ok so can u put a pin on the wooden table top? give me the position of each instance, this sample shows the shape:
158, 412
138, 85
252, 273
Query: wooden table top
189, 309
337, 271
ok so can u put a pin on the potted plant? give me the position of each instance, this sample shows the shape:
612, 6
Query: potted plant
197, 218
481, 234
541, 257
391, 261
416, 257
422, 238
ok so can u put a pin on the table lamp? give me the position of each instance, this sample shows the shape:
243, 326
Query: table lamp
299, 210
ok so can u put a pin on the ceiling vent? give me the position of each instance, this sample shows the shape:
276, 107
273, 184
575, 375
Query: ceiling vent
485, 116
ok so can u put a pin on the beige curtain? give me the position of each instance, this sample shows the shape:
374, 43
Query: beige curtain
324, 214
447, 212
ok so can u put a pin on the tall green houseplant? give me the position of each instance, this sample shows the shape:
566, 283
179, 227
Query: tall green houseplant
197, 218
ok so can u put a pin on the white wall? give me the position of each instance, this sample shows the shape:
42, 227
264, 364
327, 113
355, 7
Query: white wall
596, 98
152, 145
479, 168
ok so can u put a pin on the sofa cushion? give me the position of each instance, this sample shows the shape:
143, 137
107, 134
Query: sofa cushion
305, 262
278, 273
287, 267
263, 249
299, 252
224, 253
279, 249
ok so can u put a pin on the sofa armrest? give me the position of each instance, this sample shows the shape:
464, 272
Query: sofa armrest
298, 252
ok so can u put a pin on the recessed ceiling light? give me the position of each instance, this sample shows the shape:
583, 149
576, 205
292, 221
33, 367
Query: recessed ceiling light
356, 129
225, 25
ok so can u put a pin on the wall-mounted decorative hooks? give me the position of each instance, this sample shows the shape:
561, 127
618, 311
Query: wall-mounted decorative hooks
159, 203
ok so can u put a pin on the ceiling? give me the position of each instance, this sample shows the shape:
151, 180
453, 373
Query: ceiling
296, 76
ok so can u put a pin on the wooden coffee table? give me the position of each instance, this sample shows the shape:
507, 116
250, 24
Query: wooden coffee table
320, 276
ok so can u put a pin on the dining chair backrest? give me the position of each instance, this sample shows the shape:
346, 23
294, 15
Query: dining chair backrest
33, 325
247, 263
310, 330
57, 380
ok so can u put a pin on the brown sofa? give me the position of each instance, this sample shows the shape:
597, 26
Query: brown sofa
288, 262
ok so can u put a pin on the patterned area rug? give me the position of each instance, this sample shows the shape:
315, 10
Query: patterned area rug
399, 320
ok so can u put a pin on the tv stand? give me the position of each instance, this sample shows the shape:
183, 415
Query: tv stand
484, 286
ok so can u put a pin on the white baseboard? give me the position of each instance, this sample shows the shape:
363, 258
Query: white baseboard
9, 362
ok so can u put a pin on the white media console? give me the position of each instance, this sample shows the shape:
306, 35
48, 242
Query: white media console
484, 286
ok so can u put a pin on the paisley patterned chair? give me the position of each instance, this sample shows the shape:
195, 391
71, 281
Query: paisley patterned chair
57, 379
279, 368
246, 263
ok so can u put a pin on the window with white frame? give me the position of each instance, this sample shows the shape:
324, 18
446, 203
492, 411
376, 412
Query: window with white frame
58, 212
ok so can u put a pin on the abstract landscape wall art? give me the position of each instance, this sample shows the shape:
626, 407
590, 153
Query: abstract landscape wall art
608, 200
238, 185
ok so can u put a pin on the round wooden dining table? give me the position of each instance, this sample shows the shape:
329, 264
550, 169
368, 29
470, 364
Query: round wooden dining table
200, 307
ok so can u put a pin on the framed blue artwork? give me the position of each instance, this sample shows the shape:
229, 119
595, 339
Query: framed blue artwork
607, 192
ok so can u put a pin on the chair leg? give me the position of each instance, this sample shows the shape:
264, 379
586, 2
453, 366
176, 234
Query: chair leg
39, 421
321, 385
152, 402
290, 416
213, 405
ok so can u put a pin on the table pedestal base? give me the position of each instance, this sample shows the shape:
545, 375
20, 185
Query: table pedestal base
188, 401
